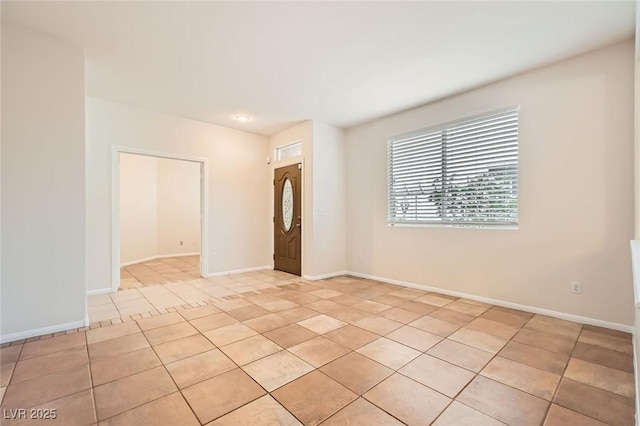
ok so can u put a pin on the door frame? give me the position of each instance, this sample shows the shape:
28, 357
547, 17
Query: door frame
115, 206
272, 248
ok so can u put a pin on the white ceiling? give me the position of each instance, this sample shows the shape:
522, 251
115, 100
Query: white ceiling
339, 62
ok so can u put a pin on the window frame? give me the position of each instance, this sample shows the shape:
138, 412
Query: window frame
442, 127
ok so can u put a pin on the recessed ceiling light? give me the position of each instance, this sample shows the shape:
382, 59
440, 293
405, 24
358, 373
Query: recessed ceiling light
242, 118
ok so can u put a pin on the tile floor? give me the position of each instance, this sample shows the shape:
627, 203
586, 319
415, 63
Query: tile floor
282, 350
160, 271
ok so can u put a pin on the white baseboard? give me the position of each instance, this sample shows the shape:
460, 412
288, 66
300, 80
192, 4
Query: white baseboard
99, 291
161, 256
44, 330
237, 271
526, 308
325, 276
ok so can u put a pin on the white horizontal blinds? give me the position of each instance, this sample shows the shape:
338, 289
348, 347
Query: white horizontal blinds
464, 172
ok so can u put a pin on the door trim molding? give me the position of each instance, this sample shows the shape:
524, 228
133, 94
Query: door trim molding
115, 206
304, 219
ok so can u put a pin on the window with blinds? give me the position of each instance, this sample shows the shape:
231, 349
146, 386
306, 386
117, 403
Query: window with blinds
463, 173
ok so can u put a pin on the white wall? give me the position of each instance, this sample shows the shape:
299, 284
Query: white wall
178, 207
576, 195
329, 200
159, 207
138, 207
43, 184
237, 175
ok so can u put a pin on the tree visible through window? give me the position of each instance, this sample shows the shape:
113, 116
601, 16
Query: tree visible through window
460, 173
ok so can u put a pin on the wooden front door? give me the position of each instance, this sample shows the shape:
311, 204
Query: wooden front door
287, 225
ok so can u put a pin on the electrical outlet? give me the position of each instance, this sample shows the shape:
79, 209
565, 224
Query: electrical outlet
181, 243
576, 287
359, 257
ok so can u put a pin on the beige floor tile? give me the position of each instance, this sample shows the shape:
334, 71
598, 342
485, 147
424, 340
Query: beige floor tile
493, 327
547, 324
10, 354
351, 336
159, 321
109, 369
35, 392
75, 409
248, 312
398, 394
371, 307
200, 312
250, 349
560, 416
182, 348
321, 324
169, 410
6, 372
616, 343
414, 338
520, 376
47, 364
468, 308
400, 315
129, 392
387, 352
211, 322
229, 334
508, 318
349, 314
290, 335
606, 378
229, 305
497, 400
361, 413
356, 372
387, 299
222, 394
478, 339
166, 334
318, 351
435, 326
279, 305
346, 299
459, 354
460, 415
417, 307
117, 346
325, 293
453, 317
54, 344
378, 325
436, 299
437, 374
111, 332
298, 314
543, 340
597, 403
262, 411
552, 362
602, 356
324, 306
198, 368
314, 397
267, 322
277, 369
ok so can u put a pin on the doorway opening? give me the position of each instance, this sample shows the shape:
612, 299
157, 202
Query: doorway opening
159, 220
287, 220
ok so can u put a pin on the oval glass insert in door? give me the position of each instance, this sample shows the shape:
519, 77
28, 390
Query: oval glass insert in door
287, 204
